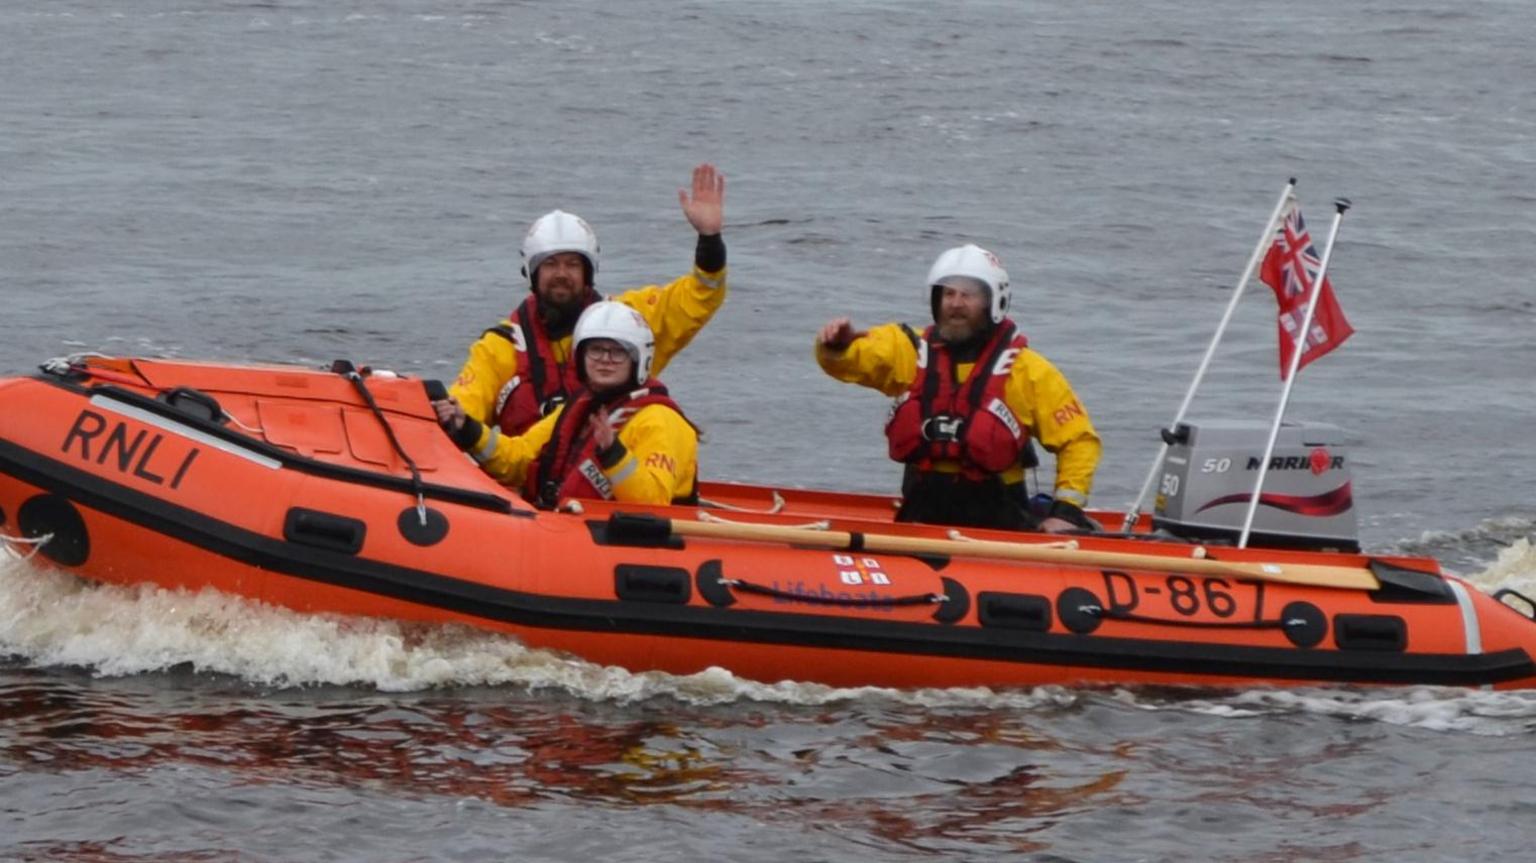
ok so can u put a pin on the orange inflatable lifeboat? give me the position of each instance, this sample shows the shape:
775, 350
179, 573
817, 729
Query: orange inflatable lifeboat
335, 491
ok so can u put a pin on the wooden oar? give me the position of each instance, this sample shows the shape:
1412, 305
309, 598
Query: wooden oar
1313, 575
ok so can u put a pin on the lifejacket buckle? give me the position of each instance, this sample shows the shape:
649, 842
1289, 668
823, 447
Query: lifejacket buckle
548, 406
942, 428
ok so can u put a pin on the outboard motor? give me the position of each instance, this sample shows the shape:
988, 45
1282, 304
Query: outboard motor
1210, 471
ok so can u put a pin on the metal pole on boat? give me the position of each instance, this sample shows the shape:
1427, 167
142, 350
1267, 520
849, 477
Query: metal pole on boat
1340, 205
1133, 514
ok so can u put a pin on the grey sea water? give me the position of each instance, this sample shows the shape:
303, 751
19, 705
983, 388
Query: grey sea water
308, 180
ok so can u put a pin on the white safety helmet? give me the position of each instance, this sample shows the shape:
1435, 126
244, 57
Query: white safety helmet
972, 262
554, 232
611, 320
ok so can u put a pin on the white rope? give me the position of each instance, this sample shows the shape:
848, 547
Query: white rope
1069, 544
62, 365
36, 542
778, 504
236, 420
823, 524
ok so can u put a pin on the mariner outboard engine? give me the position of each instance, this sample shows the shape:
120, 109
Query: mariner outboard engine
1209, 475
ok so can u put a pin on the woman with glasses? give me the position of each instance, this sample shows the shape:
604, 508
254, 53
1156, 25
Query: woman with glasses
622, 438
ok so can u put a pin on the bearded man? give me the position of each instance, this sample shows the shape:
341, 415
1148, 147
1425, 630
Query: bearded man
970, 395
520, 370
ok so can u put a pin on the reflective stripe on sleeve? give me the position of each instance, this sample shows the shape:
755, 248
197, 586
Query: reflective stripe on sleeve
626, 469
484, 454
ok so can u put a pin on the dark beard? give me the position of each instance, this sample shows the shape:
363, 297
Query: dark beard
560, 318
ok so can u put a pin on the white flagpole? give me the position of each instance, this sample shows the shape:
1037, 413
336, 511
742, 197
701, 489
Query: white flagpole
1266, 239
1340, 205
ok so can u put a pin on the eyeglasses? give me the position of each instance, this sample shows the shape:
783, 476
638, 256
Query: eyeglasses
609, 353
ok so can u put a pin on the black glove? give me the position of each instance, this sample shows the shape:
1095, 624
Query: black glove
467, 435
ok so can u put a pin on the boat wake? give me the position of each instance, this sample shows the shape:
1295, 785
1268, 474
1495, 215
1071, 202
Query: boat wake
1490, 714
53, 619
1505, 540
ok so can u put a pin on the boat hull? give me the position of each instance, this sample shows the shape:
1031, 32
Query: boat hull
293, 500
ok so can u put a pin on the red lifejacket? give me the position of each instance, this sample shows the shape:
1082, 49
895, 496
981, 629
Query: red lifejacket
542, 383
568, 465
969, 422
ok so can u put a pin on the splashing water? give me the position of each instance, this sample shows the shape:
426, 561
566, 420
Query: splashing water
49, 618
1514, 569
52, 618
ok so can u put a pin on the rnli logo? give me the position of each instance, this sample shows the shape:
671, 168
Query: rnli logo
859, 570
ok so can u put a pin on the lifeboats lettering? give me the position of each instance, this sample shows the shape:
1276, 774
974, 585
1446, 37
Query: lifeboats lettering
111, 443
1175, 596
791, 593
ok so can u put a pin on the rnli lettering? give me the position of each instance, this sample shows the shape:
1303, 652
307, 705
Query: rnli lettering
1064, 415
597, 478
1298, 462
1001, 411
1183, 597
94, 438
661, 460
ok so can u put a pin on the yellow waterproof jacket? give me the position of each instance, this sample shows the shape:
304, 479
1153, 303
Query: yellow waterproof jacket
1038, 394
659, 465
675, 312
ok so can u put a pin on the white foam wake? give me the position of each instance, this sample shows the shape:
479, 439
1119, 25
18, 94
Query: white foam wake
50, 618
1515, 568
1492, 714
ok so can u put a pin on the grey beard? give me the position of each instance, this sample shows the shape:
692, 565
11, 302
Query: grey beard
958, 332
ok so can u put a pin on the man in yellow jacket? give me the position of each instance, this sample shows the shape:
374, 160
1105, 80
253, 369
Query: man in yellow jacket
622, 438
970, 396
520, 370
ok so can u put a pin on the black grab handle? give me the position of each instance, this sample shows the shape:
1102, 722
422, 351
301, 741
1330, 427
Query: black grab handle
436, 391
318, 529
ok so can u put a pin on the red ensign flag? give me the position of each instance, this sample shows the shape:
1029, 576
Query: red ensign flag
1290, 268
